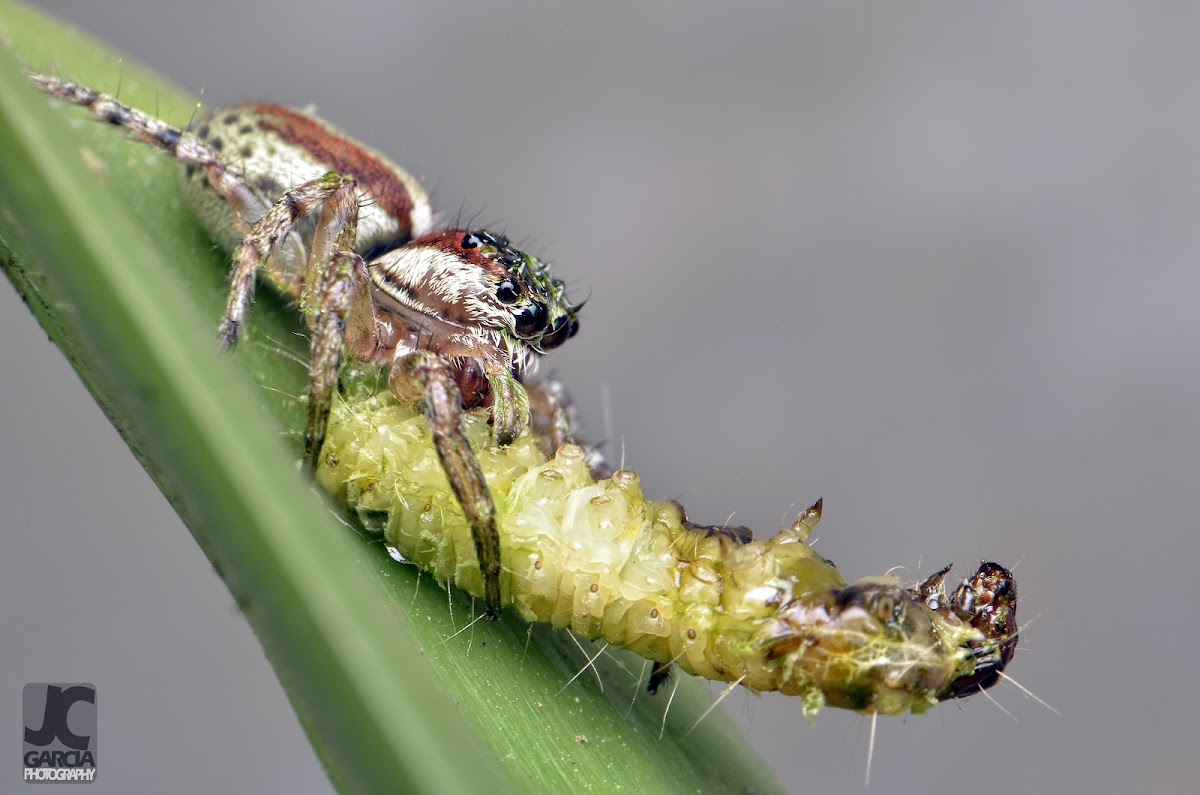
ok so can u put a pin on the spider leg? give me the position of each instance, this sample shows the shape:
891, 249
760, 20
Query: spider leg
329, 285
660, 674
551, 415
332, 282
328, 326
443, 408
274, 229
555, 422
248, 207
510, 402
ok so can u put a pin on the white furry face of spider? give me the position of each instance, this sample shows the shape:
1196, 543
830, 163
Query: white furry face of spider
474, 294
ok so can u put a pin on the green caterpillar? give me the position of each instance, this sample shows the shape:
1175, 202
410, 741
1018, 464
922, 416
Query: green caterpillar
601, 559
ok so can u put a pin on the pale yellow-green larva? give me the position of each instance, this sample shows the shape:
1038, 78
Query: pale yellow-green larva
601, 559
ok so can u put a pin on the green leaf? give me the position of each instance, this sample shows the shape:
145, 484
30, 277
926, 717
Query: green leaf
95, 235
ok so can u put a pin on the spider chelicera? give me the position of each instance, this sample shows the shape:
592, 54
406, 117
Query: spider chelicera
457, 316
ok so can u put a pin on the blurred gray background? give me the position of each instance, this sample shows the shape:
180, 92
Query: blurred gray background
935, 263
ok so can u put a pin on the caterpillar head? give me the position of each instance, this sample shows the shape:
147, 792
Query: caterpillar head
869, 646
878, 642
987, 600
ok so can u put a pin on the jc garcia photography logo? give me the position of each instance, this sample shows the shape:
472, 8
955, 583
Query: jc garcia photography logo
60, 732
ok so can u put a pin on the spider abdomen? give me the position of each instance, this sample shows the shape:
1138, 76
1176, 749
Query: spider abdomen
272, 149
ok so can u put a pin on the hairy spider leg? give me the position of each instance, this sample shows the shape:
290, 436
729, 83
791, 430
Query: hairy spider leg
181, 145
555, 422
329, 285
443, 409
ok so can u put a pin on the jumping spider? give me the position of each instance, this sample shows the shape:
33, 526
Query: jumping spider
458, 316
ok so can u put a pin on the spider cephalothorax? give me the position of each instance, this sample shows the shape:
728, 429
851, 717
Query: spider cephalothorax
469, 295
479, 283
346, 232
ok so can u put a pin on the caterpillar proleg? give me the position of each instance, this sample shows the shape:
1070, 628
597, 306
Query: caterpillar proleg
601, 559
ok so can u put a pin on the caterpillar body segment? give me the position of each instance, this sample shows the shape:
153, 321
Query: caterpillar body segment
601, 559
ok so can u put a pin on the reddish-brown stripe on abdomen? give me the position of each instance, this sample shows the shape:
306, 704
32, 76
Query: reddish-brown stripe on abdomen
340, 154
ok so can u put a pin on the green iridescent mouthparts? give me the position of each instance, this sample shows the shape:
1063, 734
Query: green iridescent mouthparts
601, 559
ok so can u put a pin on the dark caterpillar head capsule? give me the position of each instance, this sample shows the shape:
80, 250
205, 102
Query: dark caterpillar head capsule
987, 600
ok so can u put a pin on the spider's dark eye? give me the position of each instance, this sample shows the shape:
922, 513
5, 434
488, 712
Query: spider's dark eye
557, 335
471, 240
507, 292
531, 320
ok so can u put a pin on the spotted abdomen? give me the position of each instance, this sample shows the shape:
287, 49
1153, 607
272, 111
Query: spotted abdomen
272, 148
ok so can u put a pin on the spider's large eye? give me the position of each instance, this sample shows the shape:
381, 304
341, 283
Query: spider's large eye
531, 320
471, 240
562, 331
507, 292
